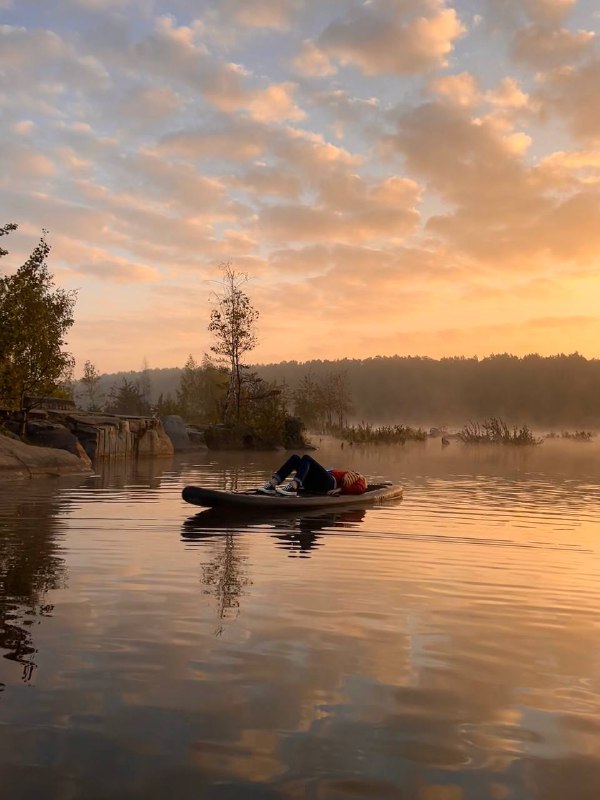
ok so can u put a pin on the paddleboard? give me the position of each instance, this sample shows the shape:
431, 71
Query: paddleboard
252, 498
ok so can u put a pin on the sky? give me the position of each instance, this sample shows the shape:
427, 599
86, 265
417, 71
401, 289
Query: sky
411, 177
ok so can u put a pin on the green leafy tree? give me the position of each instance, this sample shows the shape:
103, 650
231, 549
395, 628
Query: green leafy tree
91, 393
232, 322
34, 320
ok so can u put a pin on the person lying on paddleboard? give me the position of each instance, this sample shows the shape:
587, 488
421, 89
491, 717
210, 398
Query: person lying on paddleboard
312, 477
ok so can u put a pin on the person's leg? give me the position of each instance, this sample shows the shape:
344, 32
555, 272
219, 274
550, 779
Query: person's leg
313, 477
291, 465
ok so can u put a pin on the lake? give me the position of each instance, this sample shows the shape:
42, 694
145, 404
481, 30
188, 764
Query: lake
445, 647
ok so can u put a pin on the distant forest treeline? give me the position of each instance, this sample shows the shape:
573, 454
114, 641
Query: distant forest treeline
554, 391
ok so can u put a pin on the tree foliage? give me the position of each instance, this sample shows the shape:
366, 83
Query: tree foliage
91, 394
34, 320
323, 402
202, 391
145, 382
127, 398
554, 391
232, 323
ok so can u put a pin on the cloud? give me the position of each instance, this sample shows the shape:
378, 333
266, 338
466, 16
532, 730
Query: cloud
274, 14
548, 11
102, 265
34, 57
573, 94
352, 158
347, 110
148, 105
174, 184
393, 37
461, 89
264, 181
515, 13
504, 212
508, 94
273, 104
98, 5
348, 210
22, 162
179, 54
313, 62
543, 47
23, 127
310, 153
239, 140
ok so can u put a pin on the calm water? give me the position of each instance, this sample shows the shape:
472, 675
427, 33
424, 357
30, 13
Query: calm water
446, 647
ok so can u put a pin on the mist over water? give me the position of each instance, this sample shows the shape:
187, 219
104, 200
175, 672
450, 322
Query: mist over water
444, 647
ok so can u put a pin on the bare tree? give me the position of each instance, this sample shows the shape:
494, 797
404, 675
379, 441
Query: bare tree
232, 322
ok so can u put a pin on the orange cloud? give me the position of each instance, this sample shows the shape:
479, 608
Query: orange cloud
393, 37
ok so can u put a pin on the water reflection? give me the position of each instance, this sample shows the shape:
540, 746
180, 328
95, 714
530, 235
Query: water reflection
443, 648
298, 533
31, 565
225, 576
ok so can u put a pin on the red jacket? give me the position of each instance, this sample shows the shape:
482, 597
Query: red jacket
358, 484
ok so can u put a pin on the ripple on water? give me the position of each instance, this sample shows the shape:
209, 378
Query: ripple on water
440, 647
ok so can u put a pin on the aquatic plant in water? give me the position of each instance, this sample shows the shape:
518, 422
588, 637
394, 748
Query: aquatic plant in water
364, 433
496, 431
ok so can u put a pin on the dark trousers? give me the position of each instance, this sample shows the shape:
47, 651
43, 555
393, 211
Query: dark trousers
309, 473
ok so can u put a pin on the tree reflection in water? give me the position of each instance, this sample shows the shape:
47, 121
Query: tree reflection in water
30, 566
225, 574
225, 578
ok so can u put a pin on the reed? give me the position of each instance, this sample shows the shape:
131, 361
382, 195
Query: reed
364, 433
496, 431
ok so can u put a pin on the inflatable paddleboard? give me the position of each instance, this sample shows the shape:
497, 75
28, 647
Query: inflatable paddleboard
252, 498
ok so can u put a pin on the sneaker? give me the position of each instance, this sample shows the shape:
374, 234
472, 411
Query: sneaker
291, 490
268, 488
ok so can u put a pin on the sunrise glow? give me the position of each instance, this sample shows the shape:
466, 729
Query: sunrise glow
396, 176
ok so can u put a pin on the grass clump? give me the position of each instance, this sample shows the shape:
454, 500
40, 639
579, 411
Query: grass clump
496, 431
364, 433
578, 436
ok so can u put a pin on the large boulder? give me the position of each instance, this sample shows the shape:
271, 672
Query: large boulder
153, 441
226, 437
176, 430
44, 433
19, 460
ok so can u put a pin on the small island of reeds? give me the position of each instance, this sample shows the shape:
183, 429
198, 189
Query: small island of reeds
496, 431
364, 433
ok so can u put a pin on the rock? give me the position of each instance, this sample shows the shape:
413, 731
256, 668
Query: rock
154, 442
235, 437
19, 460
51, 434
176, 430
196, 435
